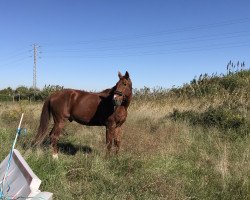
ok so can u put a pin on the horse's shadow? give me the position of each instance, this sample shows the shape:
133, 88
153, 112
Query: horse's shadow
70, 149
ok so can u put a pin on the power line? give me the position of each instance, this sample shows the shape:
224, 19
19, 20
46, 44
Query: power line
122, 49
162, 43
119, 47
14, 62
153, 34
13, 55
163, 52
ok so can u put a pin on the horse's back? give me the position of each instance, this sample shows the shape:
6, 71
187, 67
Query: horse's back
75, 105
62, 101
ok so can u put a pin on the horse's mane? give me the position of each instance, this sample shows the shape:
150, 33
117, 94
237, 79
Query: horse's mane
107, 92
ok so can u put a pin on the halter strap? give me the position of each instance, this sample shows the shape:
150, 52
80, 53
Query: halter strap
119, 93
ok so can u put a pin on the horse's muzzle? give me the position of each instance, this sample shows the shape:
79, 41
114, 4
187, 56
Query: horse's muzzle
117, 102
118, 98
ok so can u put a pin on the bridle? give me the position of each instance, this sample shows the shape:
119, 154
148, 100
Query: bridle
119, 93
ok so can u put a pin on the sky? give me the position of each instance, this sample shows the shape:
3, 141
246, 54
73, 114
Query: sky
82, 44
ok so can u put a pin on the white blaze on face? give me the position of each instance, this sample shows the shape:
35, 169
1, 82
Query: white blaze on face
115, 96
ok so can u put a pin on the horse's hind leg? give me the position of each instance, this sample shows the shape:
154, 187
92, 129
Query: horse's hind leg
54, 136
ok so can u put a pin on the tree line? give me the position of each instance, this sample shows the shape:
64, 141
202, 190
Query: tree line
30, 94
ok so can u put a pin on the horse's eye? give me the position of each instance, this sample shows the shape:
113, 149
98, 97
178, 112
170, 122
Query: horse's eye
124, 84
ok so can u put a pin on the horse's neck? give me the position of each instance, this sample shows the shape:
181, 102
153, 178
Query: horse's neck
128, 100
110, 92
106, 93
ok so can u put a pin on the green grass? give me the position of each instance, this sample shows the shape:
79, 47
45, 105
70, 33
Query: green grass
160, 158
170, 161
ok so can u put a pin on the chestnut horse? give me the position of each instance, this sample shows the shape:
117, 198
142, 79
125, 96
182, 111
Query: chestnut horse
107, 108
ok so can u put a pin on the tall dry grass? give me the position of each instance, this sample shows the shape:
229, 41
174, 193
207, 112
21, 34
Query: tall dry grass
160, 158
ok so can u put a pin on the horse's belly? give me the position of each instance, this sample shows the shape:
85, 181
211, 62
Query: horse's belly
86, 113
83, 117
89, 122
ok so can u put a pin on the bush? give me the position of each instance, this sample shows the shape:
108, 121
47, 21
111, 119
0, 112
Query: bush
220, 117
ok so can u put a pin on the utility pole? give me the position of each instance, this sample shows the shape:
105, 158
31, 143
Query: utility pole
34, 67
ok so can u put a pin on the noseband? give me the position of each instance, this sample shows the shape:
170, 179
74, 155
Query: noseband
119, 93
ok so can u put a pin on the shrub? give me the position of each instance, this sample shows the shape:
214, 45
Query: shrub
220, 117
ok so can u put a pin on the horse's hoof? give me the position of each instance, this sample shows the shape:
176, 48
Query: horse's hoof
55, 156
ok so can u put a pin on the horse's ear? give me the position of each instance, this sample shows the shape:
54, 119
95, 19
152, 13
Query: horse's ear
120, 75
126, 75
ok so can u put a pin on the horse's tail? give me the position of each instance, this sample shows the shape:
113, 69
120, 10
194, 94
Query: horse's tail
44, 122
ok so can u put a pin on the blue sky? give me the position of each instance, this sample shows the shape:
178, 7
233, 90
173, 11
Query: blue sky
83, 44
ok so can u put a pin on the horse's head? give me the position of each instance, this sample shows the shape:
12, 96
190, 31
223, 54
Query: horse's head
123, 90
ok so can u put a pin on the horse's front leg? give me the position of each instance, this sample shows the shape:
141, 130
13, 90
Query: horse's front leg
110, 132
117, 138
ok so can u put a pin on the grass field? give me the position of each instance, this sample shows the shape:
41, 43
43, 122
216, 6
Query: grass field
161, 157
